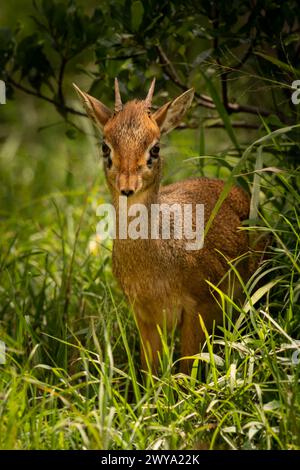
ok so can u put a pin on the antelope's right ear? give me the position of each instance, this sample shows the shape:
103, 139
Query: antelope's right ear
96, 111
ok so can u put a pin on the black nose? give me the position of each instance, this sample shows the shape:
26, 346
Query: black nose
127, 192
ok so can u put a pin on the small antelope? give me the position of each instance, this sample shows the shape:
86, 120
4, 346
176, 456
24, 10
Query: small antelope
164, 282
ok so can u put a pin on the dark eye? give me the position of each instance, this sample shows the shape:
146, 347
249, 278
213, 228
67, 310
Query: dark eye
106, 155
154, 151
105, 150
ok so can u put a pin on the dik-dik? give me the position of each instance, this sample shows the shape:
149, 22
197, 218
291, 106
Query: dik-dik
164, 281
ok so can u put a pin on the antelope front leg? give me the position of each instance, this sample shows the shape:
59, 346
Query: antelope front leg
192, 335
150, 345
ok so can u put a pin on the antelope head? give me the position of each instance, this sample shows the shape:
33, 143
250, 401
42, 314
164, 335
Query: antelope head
131, 135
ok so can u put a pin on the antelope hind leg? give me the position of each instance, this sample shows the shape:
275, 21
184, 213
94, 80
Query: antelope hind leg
150, 345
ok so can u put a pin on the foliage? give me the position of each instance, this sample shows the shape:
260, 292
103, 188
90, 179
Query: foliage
72, 377
200, 44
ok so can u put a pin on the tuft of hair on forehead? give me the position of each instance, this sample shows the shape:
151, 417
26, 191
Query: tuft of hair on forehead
132, 113
133, 119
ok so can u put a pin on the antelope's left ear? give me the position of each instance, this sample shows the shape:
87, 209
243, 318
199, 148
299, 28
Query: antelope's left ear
171, 114
96, 111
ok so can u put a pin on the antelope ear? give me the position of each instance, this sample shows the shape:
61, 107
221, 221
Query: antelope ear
171, 113
96, 111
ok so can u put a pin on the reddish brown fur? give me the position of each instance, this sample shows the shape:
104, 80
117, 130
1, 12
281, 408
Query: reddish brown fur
130, 133
165, 283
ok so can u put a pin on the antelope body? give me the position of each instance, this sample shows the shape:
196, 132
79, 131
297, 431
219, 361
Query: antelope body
165, 282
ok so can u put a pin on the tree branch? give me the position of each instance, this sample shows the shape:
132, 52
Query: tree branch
59, 106
246, 56
60, 82
204, 100
172, 74
220, 125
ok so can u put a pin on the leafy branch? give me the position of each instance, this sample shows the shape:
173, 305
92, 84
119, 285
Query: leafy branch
135, 41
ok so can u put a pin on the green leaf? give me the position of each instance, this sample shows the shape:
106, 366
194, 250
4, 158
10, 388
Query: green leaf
221, 110
6, 47
71, 134
137, 13
254, 203
32, 61
259, 293
283, 66
236, 170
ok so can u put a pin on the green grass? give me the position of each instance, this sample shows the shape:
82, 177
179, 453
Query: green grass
72, 378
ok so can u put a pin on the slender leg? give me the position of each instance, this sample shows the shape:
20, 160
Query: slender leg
151, 345
192, 335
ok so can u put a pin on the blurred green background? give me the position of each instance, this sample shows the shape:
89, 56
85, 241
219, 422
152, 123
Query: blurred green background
72, 377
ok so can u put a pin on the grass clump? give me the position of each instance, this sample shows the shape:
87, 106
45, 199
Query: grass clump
71, 379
